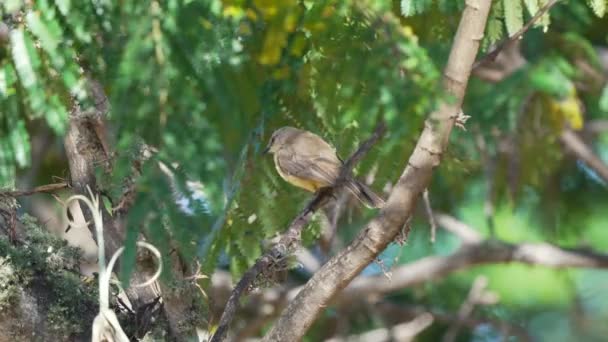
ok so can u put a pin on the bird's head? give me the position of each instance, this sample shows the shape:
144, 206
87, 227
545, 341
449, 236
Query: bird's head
280, 137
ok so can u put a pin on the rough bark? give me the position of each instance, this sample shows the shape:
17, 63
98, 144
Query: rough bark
337, 273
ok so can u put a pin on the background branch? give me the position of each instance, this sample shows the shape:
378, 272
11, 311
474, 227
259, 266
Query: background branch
486, 252
578, 147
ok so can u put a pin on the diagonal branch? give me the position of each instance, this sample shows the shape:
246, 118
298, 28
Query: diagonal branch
338, 272
289, 240
578, 147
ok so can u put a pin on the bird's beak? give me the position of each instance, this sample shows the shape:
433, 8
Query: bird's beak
266, 150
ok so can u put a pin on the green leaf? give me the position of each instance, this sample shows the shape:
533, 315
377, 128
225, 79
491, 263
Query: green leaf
545, 20
11, 6
407, 8
49, 36
495, 28
598, 7
531, 6
20, 144
48, 40
552, 77
7, 79
63, 5
21, 58
56, 115
514, 16
604, 99
7, 167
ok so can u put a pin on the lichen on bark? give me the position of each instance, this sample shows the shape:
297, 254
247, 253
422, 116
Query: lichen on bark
42, 295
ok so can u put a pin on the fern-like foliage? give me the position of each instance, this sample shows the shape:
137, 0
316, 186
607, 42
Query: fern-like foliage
206, 83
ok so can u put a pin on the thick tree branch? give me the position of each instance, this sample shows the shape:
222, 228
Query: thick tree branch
337, 273
289, 240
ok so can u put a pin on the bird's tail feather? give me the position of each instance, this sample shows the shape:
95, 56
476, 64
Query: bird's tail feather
365, 194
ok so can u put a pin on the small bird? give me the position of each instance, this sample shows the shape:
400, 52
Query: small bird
305, 160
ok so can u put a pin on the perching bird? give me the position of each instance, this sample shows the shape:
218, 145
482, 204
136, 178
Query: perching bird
305, 160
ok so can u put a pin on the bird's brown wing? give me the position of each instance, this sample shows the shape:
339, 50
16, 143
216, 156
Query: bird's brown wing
317, 169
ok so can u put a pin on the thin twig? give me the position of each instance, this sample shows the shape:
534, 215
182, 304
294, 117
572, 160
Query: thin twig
48, 188
429, 214
491, 56
291, 238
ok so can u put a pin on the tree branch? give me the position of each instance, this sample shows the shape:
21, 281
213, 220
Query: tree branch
337, 273
485, 252
48, 188
467, 234
289, 240
596, 126
578, 147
